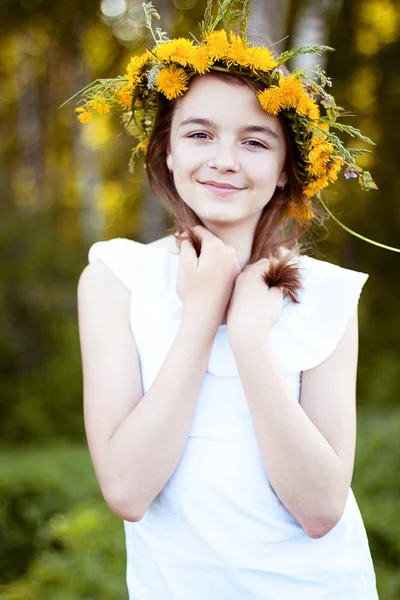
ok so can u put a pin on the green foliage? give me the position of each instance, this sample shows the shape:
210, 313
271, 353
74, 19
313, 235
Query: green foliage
150, 12
299, 50
376, 483
59, 540
229, 12
72, 545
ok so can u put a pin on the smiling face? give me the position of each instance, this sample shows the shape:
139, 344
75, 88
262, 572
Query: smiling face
221, 135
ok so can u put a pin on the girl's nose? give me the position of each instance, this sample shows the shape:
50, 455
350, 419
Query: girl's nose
224, 159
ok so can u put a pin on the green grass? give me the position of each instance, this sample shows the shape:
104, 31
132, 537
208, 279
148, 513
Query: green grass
59, 540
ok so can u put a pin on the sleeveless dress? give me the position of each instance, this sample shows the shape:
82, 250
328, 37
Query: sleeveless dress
217, 530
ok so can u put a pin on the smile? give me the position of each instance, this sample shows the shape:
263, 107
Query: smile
221, 191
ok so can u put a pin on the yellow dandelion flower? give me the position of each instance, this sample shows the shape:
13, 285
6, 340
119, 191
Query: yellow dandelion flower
320, 153
313, 112
292, 90
135, 67
307, 107
100, 105
334, 169
262, 59
217, 44
317, 169
323, 125
237, 53
124, 96
84, 115
316, 186
301, 212
177, 50
172, 81
271, 99
200, 59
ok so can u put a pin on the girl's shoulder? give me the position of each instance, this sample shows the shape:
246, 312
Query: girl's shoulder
135, 264
310, 329
165, 243
321, 272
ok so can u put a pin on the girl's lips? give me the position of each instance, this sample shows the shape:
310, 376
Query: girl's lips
221, 191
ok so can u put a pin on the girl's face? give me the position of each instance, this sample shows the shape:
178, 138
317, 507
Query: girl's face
221, 135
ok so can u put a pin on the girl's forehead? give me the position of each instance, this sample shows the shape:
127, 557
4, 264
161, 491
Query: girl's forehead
222, 102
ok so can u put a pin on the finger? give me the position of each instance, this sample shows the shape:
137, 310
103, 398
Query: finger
180, 238
259, 266
187, 252
204, 235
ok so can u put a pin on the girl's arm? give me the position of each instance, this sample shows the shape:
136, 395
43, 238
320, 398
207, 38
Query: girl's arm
136, 440
308, 448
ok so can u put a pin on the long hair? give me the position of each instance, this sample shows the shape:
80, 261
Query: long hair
275, 227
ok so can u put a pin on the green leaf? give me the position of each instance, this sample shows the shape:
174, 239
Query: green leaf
299, 50
149, 12
82, 91
366, 182
353, 132
206, 25
244, 20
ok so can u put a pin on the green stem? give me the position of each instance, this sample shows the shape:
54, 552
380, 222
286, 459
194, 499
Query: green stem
353, 232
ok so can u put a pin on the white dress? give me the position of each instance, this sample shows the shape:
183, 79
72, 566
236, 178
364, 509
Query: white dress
217, 530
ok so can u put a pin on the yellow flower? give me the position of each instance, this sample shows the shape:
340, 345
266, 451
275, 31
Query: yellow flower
84, 115
334, 169
135, 67
262, 59
177, 50
124, 96
317, 169
237, 53
271, 99
307, 107
292, 90
200, 59
100, 105
172, 81
320, 153
217, 43
301, 212
316, 186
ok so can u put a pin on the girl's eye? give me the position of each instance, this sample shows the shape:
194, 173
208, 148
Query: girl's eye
256, 144
201, 135
198, 133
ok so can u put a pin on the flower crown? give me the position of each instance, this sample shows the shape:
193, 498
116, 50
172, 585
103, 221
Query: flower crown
300, 97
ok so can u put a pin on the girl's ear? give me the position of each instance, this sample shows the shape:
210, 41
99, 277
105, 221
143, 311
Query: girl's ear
169, 162
282, 181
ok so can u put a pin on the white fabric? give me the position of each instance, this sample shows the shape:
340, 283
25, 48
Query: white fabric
217, 530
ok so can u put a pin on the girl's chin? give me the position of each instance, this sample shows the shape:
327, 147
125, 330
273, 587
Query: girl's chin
220, 219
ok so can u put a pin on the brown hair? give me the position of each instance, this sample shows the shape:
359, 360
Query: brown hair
275, 228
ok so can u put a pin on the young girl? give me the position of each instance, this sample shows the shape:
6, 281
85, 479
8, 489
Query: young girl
220, 366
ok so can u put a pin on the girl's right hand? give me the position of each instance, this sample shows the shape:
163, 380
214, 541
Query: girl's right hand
205, 283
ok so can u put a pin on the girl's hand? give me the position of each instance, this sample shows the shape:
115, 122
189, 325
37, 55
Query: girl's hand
254, 307
205, 282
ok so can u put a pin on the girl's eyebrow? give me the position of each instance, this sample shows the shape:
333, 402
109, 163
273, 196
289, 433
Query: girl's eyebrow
247, 129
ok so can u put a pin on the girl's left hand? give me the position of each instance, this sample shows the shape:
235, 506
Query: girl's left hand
254, 307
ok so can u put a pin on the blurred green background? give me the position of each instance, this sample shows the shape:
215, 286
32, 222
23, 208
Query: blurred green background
64, 186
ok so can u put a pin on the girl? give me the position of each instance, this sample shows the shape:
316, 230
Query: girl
220, 366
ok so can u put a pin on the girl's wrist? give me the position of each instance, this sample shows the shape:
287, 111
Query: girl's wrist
200, 323
249, 341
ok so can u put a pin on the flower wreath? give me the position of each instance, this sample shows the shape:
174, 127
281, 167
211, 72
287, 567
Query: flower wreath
300, 97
